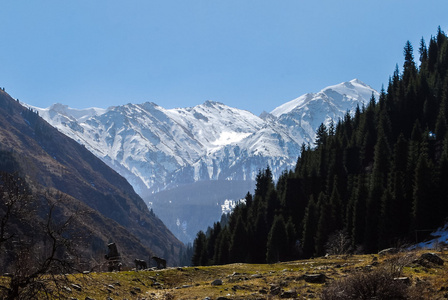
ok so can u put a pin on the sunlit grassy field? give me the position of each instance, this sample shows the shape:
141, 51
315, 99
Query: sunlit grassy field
257, 281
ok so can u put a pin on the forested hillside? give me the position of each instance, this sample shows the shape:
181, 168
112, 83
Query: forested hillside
377, 178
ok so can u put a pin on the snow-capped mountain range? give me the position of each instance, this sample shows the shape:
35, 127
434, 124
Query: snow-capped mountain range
158, 149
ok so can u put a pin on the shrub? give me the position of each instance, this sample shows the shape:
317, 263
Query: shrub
378, 284
339, 243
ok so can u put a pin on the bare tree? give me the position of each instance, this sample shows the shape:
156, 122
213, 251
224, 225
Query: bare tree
15, 204
40, 258
339, 243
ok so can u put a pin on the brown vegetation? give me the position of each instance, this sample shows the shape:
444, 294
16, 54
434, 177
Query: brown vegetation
397, 276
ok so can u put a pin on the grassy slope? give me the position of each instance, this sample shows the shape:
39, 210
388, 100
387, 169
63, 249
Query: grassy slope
246, 281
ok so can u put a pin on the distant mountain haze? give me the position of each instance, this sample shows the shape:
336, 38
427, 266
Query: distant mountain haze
158, 149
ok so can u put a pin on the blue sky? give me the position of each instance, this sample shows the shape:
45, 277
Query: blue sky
249, 54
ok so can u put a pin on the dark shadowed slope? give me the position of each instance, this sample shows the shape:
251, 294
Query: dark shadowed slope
49, 159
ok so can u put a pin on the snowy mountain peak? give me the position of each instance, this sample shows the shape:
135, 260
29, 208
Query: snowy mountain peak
149, 105
156, 148
59, 107
357, 81
64, 112
291, 105
350, 91
340, 95
212, 103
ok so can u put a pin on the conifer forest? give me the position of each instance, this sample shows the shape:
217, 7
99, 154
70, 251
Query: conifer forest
375, 179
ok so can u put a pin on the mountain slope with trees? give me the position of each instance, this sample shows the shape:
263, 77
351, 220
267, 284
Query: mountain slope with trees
378, 177
51, 163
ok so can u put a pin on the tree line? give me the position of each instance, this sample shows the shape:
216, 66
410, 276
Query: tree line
378, 177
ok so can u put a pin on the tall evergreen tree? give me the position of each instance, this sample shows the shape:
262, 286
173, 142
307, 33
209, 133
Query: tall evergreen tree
359, 211
325, 224
238, 242
321, 135
221, 253
292, 239
423, 51
422, 193
396, 208
409, 68
277, 241
309, 228
200, 250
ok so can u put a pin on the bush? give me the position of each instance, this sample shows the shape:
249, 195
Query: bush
339, 243
377, 284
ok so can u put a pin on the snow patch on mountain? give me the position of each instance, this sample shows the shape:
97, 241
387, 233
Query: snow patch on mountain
228, 137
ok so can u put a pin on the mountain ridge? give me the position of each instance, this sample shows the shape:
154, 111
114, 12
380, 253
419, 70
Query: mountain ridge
202, 131
158, 149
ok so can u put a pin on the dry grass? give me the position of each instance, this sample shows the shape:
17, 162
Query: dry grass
250, 281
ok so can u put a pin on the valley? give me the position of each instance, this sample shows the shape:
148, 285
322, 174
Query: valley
186, 149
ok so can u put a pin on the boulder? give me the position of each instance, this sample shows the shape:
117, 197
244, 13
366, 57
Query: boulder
314, 278
289, 294
217, 282
433, 258
275, 290
404, 280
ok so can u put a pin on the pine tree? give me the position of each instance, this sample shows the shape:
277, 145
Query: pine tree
200, 250
396, 208
264, 182
409, 69
294, 200
309, 228
273, 205
432, 54
238, 242
222, 255
212, 236
378, 183
337, 207
292, 238
321, 135
325, 224
259, 232
423, 51
359, 211
277, 241
331, 129
423, 192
